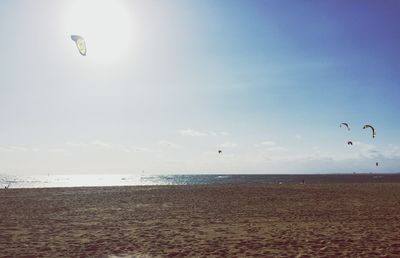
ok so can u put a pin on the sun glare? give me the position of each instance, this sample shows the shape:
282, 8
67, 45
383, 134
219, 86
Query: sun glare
106, 26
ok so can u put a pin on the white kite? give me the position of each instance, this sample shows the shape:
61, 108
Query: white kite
80, 44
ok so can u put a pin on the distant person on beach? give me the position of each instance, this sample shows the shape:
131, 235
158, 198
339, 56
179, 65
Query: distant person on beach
302, 181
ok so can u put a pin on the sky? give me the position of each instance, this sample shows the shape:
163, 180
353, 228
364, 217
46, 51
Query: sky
166, 84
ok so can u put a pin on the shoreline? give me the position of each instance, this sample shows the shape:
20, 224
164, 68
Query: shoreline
105, 180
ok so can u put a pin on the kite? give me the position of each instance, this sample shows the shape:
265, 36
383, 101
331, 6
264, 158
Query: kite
372, 128
345, 124
80, 44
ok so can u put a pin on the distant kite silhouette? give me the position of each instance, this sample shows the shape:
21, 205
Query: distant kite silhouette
80, 44
345, 124
349, 143
372, 128
219, 151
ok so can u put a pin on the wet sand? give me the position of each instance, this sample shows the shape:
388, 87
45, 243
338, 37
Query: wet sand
202, 221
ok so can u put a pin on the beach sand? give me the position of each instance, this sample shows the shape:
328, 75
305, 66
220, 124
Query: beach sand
202, 221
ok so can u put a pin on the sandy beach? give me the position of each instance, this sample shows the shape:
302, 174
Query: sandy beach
329, 220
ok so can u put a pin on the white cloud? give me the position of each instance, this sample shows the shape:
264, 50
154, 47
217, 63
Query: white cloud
190, 132
392, 152
371, 151
73, 144
20, 149
365, 150
142, 150
106, 146
57, 150
228, 145
277, 148
195, 133
213, 133
265, 143
14, 148
224, 133
169, 144
102, 144
270, 146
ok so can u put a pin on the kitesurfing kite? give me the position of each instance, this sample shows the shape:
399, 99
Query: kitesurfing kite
349, 143
80, 44
376, 164
345, 124
219, 151
372, 128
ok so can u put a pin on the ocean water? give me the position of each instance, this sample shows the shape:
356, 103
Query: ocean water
41, 181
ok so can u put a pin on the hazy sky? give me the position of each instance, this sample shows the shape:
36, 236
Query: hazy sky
165, 84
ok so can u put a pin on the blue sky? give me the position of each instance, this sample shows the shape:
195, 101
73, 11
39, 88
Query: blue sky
167, 84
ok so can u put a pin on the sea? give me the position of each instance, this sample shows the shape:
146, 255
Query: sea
91, 180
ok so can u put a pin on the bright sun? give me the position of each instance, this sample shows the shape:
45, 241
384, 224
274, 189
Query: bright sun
106, 26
